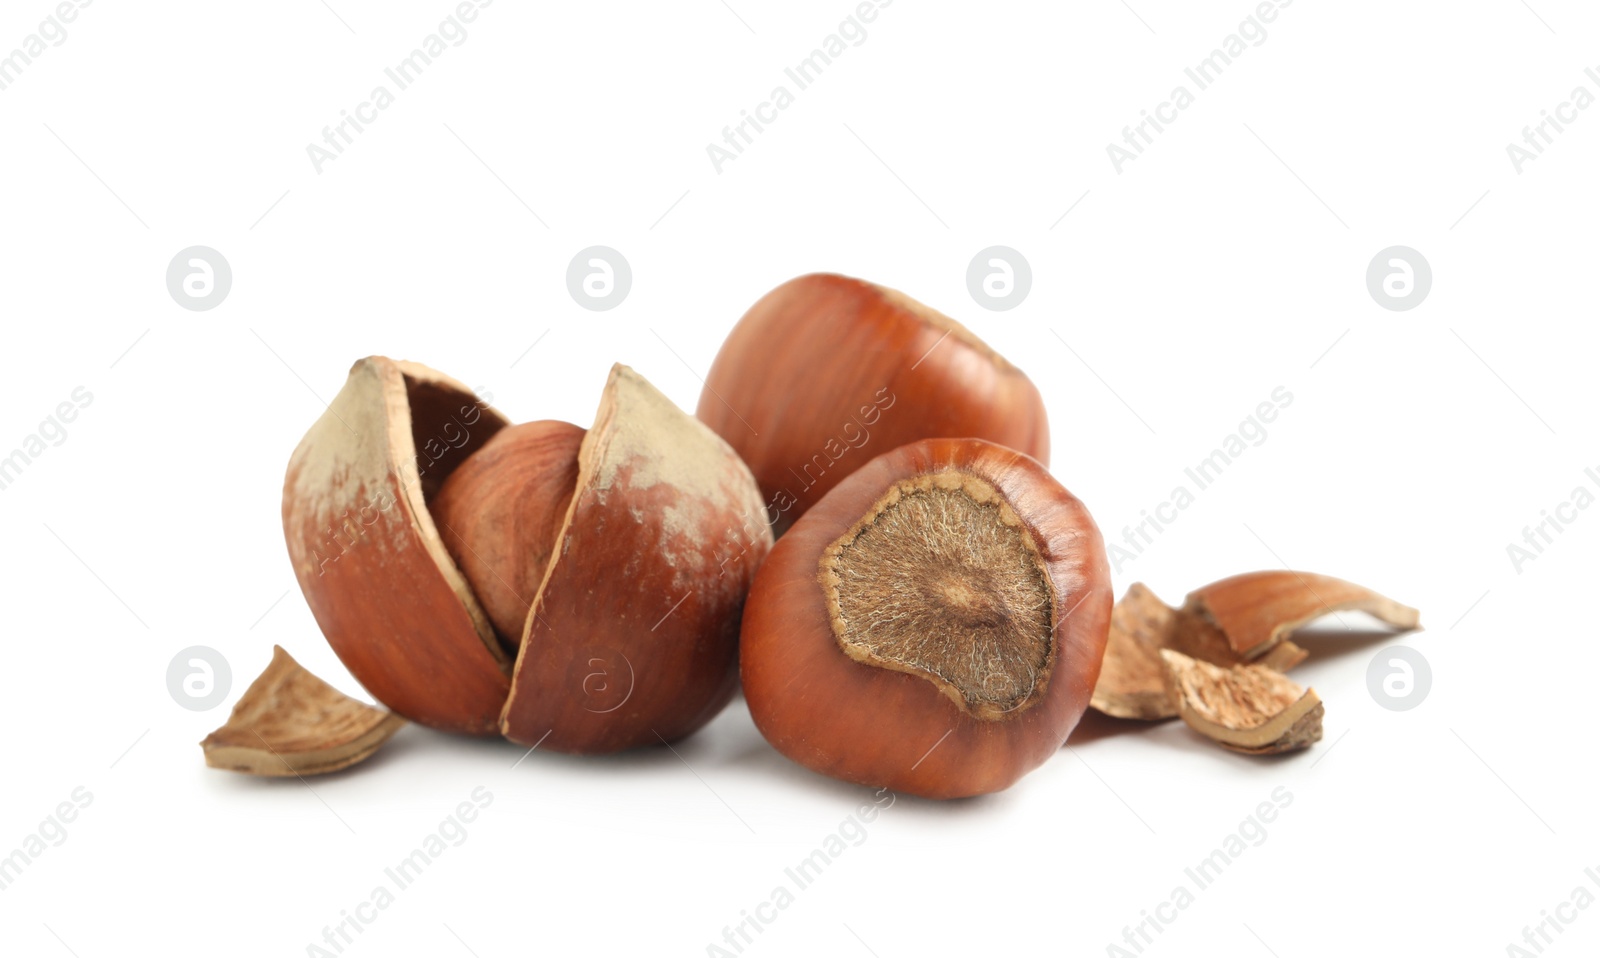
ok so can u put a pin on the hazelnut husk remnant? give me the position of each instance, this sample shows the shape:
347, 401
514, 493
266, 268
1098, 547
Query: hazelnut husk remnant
825, 372
291, 723
934, 624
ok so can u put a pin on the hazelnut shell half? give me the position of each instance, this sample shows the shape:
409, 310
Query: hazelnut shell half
633, 637
374, 570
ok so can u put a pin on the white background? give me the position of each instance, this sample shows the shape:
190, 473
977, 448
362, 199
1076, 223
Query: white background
1226, 261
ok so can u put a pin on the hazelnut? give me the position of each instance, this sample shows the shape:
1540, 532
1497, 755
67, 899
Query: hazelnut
825, 372
934, 624
580, 589
500, 512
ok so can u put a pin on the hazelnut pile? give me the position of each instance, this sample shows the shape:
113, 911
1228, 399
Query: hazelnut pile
932, 617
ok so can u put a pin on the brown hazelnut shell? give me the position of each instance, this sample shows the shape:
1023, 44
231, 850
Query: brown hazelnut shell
633, 636
825, 372
365, 550
882, 727
1256, 610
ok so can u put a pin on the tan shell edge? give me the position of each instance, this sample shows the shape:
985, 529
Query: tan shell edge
412, 483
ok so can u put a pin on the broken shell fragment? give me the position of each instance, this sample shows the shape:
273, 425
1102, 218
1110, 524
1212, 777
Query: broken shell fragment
1247, 708
289, 722
1132, 681
1256, 610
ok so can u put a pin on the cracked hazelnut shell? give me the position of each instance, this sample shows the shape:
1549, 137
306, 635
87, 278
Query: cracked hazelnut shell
369, 558
576, 588
826, 372
934, 624
633, 635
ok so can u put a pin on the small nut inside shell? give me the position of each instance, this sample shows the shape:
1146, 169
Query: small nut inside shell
499, 513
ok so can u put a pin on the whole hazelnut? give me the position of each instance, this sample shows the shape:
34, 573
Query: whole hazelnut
825, 372
934, 624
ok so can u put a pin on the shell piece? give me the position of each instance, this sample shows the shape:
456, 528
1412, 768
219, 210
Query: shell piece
1132, 679
633, 636
368, 556
1255, 610
826, 372
1247, 708
1132, 682
289, 722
